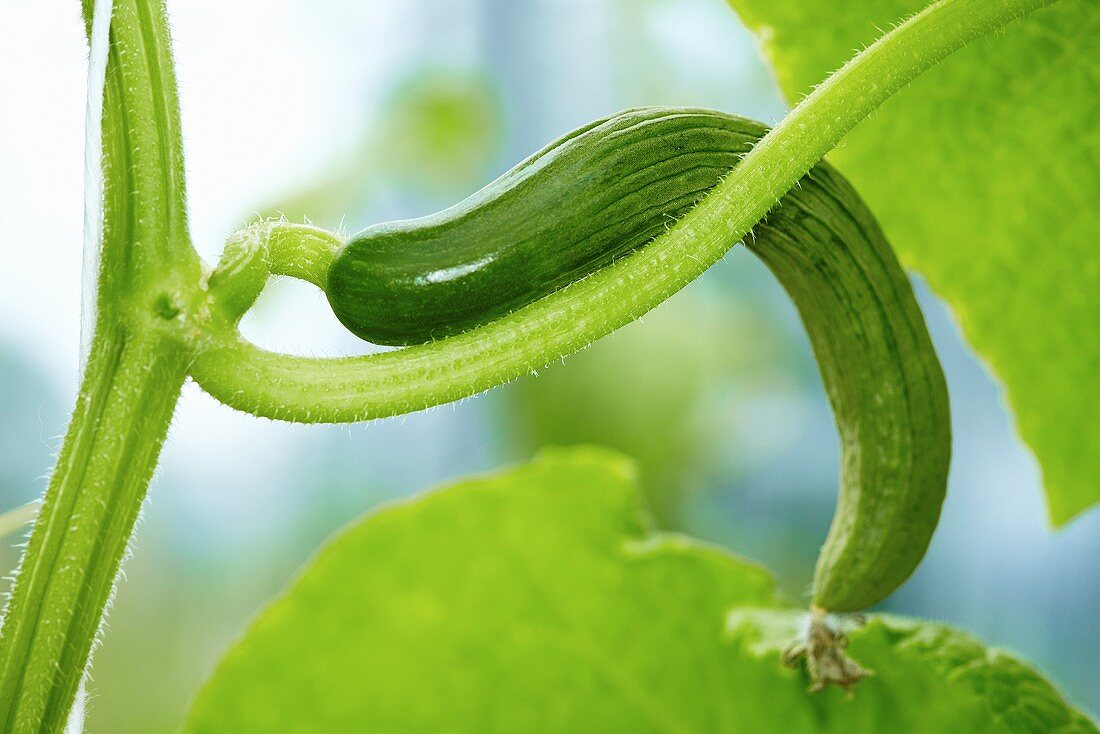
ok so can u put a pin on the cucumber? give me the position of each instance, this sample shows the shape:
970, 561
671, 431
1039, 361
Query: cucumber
607, 189
586, 199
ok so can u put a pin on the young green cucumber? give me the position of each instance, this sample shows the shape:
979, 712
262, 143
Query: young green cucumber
594, 195
883, 380
606, 190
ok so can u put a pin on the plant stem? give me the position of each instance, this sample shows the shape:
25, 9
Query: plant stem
122, 415
148, 287
300, 251
293, 388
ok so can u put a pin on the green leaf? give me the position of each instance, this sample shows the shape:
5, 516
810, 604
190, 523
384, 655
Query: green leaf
538, 600
985, 175
930, 678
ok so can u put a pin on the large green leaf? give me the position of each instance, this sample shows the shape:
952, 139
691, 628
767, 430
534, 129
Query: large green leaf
986, 176
537, 600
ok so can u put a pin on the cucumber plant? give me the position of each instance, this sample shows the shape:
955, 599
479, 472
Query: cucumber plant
583, 237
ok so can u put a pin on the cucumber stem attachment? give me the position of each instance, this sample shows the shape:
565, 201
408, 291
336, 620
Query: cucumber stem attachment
262, 249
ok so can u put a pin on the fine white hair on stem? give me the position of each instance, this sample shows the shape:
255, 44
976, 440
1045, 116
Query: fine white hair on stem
99, 44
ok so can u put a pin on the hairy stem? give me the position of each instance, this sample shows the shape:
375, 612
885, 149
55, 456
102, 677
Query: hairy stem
149, 282
110, 450
300, 251
302, 389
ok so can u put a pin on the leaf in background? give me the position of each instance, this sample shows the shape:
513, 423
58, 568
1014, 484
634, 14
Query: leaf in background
440, 131
654, 390
537, 600
985, 175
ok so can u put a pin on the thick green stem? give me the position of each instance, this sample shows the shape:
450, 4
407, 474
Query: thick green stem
146, 241
148, 286
121, 418
378, 385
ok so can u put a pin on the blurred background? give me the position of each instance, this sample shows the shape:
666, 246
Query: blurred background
350, 113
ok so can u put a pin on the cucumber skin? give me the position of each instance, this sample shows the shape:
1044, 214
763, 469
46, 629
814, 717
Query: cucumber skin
607, 189
586, 199
883, 380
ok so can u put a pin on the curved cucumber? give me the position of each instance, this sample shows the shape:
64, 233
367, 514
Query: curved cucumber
883, 380
606, 190
592, 196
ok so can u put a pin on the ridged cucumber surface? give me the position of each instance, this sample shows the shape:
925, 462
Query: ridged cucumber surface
604, 191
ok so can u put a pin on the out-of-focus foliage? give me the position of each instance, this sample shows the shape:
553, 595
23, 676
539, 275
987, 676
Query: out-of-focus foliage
30, 418
16, 518
440, 130
653, 391
436, 134
31, 421
985, 175
540, 600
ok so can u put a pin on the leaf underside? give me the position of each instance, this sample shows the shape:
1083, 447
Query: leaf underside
985, 174
539, 600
